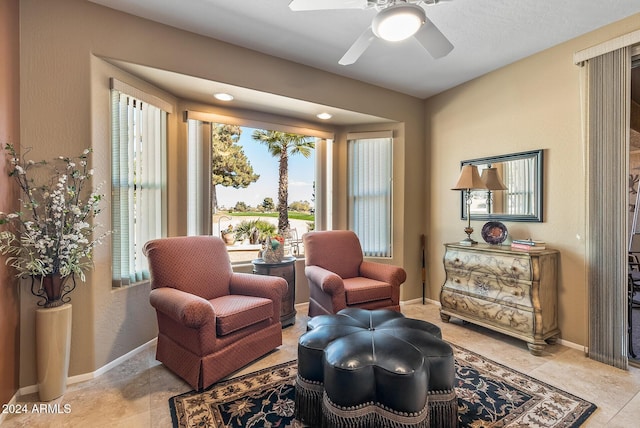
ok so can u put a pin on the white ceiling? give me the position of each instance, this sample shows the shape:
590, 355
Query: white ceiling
487, 34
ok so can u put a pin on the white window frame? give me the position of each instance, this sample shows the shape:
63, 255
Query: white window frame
199, 206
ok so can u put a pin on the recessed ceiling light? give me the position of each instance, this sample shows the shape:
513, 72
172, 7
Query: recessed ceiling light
324, 116
223, 96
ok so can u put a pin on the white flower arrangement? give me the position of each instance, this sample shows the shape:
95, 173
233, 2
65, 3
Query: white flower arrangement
52, 234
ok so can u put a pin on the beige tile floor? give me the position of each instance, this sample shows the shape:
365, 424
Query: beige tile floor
136, 393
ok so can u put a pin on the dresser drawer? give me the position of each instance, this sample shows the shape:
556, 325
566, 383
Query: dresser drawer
487, 312
513, 267
490, 287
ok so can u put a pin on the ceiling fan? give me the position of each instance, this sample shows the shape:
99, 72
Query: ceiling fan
396, 20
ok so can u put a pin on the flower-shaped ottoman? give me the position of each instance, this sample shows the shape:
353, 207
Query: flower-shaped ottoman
363, 368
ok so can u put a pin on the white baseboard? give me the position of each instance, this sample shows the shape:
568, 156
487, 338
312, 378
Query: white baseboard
572, 345
301, 306
28, 390
417, 301
92, 375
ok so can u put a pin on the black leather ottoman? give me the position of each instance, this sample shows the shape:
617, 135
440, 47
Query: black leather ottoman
363, 368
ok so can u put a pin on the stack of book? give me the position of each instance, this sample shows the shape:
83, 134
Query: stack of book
528, 244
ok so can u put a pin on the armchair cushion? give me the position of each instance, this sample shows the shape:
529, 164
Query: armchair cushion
363, 290
236, 312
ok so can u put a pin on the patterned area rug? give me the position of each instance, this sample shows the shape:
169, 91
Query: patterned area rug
489, 395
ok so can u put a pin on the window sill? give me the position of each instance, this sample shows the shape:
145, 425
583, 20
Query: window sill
134, 284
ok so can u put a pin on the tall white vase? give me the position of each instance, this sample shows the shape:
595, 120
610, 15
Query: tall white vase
53, 346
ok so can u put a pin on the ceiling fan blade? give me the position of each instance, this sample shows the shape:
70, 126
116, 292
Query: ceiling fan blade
358, 47
433, 40
299, 5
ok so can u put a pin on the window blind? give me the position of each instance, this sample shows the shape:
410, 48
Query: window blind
370, 184
138, 183
521, 178
608, 104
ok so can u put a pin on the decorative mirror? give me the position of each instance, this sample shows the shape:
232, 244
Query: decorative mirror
521, 197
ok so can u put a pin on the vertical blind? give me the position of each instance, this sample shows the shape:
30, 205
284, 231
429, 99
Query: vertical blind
608, 100
520, 175
138, 182
370, 183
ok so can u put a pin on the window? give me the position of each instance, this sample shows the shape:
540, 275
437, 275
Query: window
520, 196
138, 180
369, 190
246, 198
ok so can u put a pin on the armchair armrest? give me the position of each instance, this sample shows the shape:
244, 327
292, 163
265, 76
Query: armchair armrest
268, 287
328, 281
390, 274
187, 309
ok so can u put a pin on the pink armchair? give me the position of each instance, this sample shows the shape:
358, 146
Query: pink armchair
339, 277
211, 321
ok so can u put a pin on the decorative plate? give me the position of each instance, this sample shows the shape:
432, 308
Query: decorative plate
494, 232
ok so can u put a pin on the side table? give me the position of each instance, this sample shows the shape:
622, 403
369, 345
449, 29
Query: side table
287, 270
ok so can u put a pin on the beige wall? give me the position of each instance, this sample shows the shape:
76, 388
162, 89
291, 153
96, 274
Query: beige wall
64, 103
532, 104
9, 133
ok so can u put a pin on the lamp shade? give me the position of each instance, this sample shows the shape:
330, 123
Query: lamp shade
492, 179
469, 179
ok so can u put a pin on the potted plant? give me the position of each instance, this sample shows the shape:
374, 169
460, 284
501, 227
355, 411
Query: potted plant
229, 235
51, 241
245, 229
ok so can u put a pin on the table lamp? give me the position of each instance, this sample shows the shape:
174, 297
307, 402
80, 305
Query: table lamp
492, 180
469, 180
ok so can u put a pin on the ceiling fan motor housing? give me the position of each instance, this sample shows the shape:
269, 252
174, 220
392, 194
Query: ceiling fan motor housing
381, 4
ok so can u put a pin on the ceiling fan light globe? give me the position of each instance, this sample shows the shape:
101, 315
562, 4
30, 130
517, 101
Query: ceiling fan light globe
398, 22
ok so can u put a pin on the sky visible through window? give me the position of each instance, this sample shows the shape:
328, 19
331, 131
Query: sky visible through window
301, 176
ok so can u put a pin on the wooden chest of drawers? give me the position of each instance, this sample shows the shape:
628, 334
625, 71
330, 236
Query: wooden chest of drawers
510, 291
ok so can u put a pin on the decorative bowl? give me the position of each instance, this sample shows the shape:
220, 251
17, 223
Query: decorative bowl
494, 233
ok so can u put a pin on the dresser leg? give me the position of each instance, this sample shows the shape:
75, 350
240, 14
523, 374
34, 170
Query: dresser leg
536, 348
445, 317
552, 340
